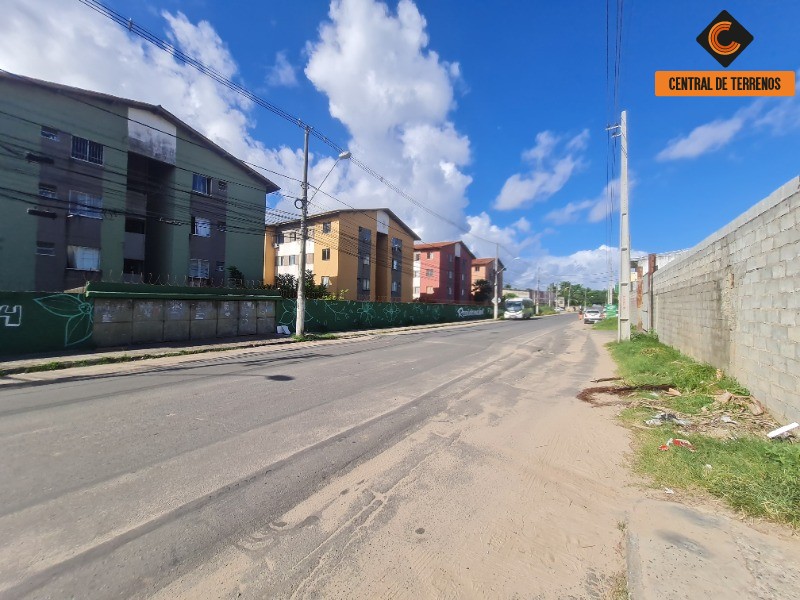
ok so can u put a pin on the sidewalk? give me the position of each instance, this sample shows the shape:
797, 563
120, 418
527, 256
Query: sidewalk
676, 551
50, 367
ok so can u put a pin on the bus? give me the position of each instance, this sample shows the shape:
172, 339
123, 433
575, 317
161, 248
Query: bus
519, 308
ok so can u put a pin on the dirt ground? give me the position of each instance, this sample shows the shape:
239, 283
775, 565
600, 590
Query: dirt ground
517, 490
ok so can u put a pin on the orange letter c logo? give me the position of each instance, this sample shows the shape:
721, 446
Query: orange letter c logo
713, 39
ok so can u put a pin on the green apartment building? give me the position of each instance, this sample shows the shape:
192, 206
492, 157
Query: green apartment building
95, 187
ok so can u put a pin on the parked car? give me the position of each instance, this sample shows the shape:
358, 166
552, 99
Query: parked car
592, 315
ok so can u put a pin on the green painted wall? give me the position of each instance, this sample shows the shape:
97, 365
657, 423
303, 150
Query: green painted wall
336, 315
44, 322
31, 108
244, 240
18, 184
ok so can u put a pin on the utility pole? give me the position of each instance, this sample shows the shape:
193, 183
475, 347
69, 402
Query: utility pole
569, 296
624, 320
300, 324
537, 290
496, 274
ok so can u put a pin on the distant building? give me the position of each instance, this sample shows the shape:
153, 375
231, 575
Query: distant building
443, 272
100, 187
364, 253
484, 268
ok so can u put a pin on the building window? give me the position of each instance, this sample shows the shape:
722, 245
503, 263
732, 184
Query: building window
45, 248
222, 186
429, 255
365, 260
85, 205
462, 277
48, 191
450, 275
131, 266
198, 268
449, 291
220, 266
83, 258
201, 184
428, 272
416, 272
280, 239
397, 244
134, 225
416, 255
326, 281
326, 227
476, 269
326, 254
222, 226
277, 261
395, 264
201, 227
292, 260
429, 289
451, 258
50, 133
365, 285
87, 150
395, 286
416, 291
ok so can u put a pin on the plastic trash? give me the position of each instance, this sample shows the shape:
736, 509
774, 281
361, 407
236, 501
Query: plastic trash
781, 430
677, 442
669, 490
727, 419
662, 418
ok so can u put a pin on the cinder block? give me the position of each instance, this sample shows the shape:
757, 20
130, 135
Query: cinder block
147, 331
200, 329
107, 335
176, 331
247, 318
113, 311
148, 310
177, 310
265, 326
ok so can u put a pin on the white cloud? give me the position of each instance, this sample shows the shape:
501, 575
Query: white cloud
550, 170
282, 73
522, 224
593, 268
714, 135
702, 139
394, 96
595, 209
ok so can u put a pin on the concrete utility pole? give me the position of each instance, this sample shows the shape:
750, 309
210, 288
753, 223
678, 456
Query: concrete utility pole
537, 291
496, 274
300, 324
624, 320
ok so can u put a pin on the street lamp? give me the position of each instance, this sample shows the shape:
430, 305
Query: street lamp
302, 204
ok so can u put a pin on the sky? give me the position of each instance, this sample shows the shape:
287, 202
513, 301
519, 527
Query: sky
492, 116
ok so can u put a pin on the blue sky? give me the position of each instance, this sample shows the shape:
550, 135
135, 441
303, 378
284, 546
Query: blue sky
492, 114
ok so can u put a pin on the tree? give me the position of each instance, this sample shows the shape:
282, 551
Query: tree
235, 277
482, 290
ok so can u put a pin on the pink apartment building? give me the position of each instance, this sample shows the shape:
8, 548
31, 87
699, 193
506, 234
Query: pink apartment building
443, 272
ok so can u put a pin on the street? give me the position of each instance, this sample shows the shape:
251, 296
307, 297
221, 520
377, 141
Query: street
452, 462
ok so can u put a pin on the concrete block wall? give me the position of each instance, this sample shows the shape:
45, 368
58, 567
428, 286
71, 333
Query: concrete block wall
122, 322
733, 301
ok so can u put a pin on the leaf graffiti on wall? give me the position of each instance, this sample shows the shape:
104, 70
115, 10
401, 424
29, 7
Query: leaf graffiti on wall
77, 311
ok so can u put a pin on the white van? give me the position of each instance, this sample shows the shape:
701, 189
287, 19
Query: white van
519, 308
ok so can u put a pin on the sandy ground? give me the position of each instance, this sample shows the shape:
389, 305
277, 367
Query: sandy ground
517, 490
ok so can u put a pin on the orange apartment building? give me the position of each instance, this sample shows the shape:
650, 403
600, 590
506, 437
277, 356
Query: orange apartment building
483, 268
365, 253
442, 272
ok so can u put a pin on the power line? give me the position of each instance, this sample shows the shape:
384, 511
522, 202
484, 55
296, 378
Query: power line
276, 110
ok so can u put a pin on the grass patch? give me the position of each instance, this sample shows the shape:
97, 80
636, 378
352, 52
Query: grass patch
308, 337
751, 473
609, 324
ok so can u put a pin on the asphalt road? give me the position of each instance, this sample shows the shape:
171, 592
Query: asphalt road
114, 486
